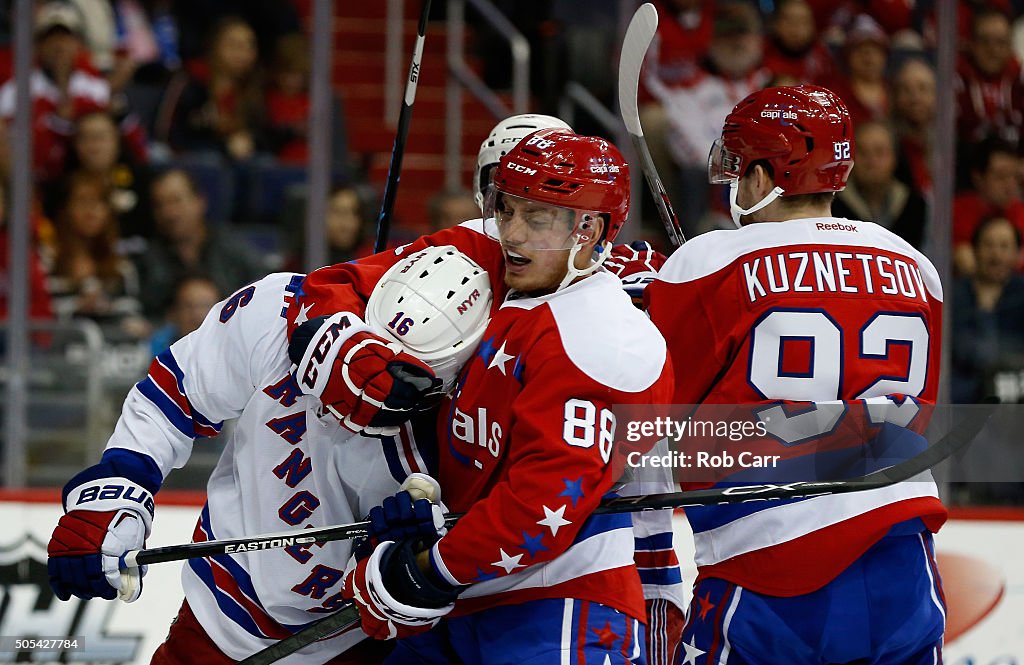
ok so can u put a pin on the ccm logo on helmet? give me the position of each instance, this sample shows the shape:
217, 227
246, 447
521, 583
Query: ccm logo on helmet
469, 302
519, 168
776, 115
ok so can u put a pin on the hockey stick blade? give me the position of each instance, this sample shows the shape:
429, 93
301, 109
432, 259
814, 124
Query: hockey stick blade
638, 38
959, 436
340, 621
401, 135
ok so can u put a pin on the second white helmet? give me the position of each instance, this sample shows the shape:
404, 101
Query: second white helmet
505, 135
436, 303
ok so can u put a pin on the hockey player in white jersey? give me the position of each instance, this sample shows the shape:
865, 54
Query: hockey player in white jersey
287, 464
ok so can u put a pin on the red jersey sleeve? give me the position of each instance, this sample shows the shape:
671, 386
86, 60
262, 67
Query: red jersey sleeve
690, 311
345, 287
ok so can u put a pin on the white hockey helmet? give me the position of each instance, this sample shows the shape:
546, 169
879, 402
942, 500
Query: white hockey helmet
505, 135
436, 304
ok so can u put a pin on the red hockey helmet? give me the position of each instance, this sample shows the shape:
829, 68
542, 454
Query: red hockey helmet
804, 132
560, 168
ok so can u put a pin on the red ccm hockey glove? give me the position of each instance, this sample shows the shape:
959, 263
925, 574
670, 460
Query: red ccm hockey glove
370, 384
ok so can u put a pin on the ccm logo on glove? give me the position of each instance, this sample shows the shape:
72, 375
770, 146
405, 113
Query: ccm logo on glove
321, 350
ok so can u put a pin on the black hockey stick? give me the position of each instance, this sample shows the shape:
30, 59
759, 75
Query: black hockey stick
638, 38
957, 438
341, 620
398, 151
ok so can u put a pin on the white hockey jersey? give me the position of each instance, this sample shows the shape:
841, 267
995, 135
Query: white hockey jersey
284, 467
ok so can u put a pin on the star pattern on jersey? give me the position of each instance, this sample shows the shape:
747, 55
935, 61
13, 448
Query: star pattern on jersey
705, 605
573, 489
509, 563
691, 653
533, 544
302, 316
517, 369
500, 359
486, 350
482, 576
554, 520
606, 637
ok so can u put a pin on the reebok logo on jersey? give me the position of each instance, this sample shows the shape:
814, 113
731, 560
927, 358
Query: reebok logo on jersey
836, 226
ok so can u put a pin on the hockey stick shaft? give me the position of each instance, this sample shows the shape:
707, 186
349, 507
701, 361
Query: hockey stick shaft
398, 150
340, 621
639, 34
959, 436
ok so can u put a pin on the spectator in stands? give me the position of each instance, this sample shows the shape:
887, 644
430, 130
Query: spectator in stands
288, 100
793, 49
695, 113
988, 313
186, 244
349, 224
451, 207
995, 175
98, 151
124, 35
988, 85
194, 297
268, 19
63, 89
682, 41
874, 194
220, 107
288, 104
913, 113
89, 278
39, 305
865, 54
673, 61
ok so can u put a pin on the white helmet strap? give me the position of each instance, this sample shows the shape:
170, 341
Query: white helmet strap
738, 212
573, 273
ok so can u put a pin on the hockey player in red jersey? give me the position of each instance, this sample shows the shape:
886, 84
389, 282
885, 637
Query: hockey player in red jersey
635, 265
799, 306
525, 440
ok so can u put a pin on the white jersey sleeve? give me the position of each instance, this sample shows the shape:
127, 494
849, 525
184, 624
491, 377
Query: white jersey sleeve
208, 376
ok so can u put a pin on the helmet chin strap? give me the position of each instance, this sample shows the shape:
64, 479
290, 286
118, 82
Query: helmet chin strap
572, 272
738, 212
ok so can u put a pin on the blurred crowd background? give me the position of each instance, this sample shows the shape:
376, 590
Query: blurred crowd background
170, 157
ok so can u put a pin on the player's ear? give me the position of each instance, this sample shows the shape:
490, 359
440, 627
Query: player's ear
590, 229
762, 180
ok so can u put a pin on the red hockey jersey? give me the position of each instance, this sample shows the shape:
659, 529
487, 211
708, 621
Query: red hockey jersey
813, 310
526, 440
